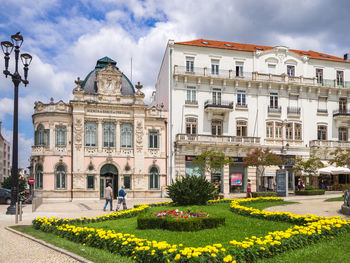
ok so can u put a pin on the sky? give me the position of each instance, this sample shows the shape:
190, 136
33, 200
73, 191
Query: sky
66, 38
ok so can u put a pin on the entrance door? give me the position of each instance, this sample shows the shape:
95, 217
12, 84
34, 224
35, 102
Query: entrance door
104, 181
108, 174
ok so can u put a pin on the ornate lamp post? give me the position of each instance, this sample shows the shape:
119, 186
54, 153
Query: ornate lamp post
7, 47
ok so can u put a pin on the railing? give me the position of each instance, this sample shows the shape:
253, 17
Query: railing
218, 104
329, 143
341, 113
293, 110
277, 110
39, 149
243, 106
191, 102
218, 139
322, 110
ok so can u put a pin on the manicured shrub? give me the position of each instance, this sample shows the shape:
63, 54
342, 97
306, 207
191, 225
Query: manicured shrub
191, 190
309, 187
264, 194
147, 221
310, 192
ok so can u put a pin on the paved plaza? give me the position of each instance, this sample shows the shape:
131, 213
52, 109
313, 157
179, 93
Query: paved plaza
31, 251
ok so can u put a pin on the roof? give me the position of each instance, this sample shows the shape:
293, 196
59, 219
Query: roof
252, 48
90, 86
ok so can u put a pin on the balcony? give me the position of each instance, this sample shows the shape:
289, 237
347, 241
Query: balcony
218, 106
274, 110
295, 111
322, 111
191, 102
39, 150
241, 106
329, 144
217, 140
341, 114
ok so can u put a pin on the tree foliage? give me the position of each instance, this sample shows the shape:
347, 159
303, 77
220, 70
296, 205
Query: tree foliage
8, 182
262, 157
309, 166
211, 160
341, 157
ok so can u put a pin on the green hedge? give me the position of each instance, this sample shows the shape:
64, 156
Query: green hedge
264, 194
310, 192
145, 221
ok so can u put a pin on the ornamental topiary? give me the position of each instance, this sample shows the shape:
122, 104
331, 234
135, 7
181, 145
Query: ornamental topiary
191, 190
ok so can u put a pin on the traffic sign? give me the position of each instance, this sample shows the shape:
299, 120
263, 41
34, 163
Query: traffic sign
31, 180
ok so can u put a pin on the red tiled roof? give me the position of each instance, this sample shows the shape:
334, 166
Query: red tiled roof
252, 48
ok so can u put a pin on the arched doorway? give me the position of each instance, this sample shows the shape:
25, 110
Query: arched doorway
108, 174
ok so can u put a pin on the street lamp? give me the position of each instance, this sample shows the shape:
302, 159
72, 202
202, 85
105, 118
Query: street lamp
7, 47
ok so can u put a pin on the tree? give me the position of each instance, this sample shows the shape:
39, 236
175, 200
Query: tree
8, 182
260, 158
211, 160
309, 166
341, 157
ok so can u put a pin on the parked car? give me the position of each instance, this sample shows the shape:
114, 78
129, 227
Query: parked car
5, 196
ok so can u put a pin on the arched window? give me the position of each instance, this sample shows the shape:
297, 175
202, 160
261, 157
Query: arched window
42, 136
39, 176
126, 135
60, 135
154, 178
60, 177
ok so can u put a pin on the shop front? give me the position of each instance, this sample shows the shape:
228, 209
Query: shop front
237, 176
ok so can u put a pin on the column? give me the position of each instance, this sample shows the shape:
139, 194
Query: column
117, 137
52, 136
99, 135
225, 180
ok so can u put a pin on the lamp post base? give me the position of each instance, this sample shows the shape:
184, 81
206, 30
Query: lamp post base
11, 210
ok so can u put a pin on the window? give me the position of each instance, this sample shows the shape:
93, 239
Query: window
289, 131
42, 136
60, 177
216, 96
153, 139
60, 135
215, 67
290, 70
126, 135
340, 78
191, 126
297, 131
39, 176
189, 64
191, 94
239, 69
108, 134
319, 75
269, 130
90, 180
322, 132
278, 130
273, 100
271, 68
241, 129
241, 99
90, 134
343, 133
153, 178
322, 104
127, 181
343, 104
216, 127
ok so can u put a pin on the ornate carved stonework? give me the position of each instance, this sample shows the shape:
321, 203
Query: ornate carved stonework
109, 80
79, 181
139, 135
78, 130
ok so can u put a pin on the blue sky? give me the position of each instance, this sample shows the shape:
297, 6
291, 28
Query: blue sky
67, 37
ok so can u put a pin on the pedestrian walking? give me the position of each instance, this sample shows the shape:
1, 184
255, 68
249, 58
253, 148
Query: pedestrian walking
108, 197
249, 189
121, 198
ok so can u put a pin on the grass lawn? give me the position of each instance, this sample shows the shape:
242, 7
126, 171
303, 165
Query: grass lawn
340, 198
90, 253
331, 251
237, 227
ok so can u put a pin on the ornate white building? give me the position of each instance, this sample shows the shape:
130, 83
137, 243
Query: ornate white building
105, 134
233, 97
5, 168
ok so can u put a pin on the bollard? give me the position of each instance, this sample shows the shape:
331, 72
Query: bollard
16, 216
20, 210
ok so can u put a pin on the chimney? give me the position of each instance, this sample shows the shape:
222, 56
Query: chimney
347, 57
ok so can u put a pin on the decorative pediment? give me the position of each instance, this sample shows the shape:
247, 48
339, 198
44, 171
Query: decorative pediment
109, 80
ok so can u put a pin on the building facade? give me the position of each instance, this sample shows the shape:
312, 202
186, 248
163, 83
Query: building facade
233, 97
105, 134
5, 168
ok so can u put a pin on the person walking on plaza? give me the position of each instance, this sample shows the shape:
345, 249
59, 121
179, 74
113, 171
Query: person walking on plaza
249, 189
108, 197
121, 198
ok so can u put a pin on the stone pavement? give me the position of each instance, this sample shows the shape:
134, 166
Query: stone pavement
14, 248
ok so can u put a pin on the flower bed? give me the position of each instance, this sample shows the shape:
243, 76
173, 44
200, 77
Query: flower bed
175, 220
308, 230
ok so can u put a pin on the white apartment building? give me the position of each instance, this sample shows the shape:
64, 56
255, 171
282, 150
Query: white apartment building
233, 98
5, 168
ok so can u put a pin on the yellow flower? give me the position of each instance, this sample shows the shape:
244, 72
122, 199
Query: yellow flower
177, 257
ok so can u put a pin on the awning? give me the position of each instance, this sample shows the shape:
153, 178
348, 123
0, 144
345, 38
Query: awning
334, 170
